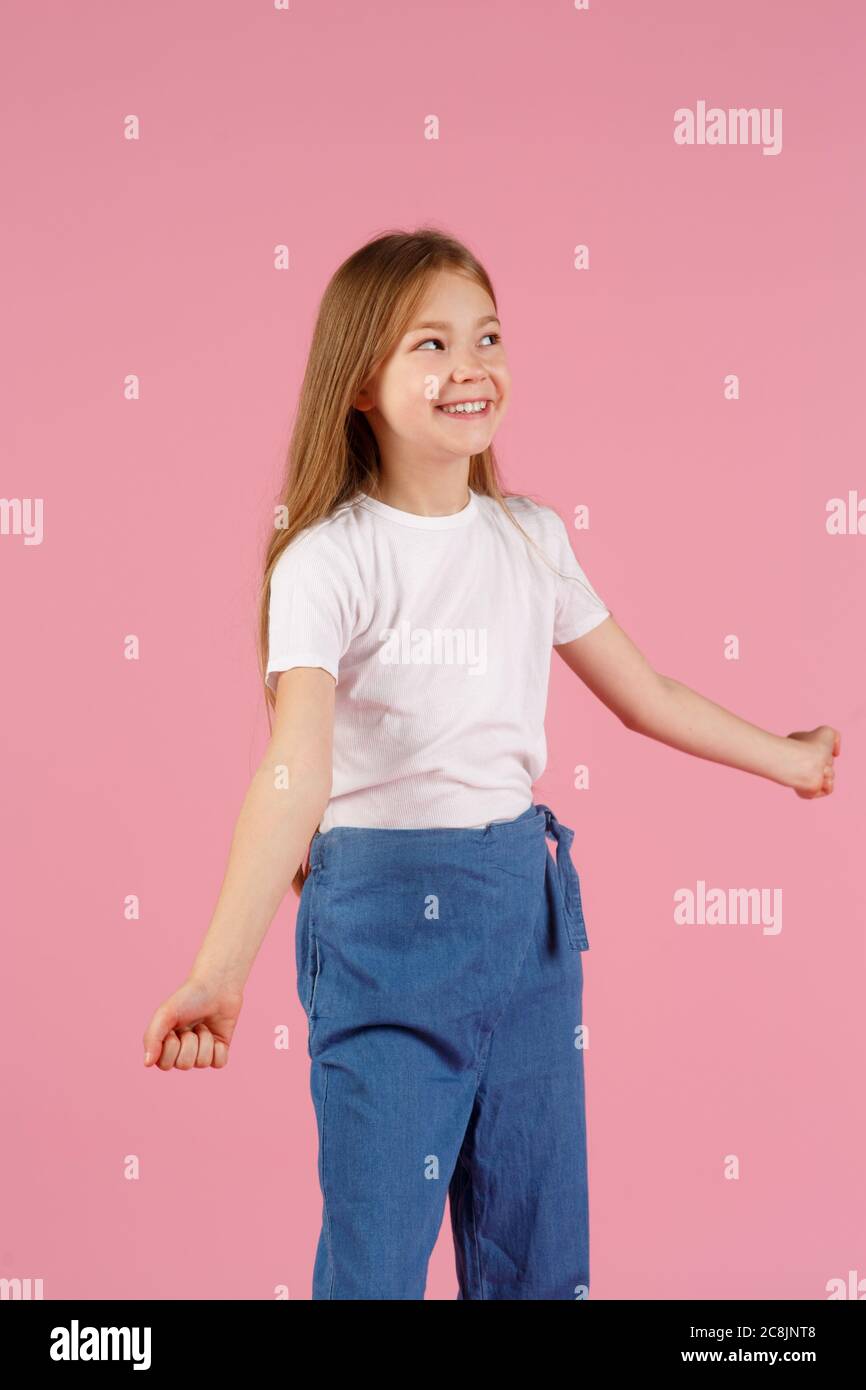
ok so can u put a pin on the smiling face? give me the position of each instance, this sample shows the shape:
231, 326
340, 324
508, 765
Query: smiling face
452, 353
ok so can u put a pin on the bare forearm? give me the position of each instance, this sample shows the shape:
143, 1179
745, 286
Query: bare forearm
273, 829
680, 717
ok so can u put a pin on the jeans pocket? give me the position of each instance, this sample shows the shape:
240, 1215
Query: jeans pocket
302, 923
314, 970
307, 955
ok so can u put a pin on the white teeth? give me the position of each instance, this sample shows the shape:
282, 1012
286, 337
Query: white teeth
467, 408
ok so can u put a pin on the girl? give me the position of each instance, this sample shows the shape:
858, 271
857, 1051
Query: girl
408, 611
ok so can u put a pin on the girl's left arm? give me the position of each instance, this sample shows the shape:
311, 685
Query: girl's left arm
609, 663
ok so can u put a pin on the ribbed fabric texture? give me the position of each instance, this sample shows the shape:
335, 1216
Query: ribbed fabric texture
438, 632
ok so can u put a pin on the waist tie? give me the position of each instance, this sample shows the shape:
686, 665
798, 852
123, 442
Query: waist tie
568, 879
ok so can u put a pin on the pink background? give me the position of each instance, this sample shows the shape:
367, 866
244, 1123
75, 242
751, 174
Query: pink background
261, 127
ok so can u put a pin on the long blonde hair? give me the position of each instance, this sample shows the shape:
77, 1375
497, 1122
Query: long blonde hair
366, 308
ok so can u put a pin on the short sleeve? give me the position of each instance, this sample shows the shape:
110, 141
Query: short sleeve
310, 609
578, 607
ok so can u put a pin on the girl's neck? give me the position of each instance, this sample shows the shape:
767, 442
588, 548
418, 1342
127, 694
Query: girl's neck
423, 496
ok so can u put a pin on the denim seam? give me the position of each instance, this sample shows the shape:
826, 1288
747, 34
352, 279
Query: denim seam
326, 1212
478, 1273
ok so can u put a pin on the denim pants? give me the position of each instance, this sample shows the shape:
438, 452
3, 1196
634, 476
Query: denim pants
441, 974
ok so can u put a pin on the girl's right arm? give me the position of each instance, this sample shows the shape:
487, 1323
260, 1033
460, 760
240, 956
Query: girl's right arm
282, 808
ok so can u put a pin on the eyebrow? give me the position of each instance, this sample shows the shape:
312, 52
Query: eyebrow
486, 318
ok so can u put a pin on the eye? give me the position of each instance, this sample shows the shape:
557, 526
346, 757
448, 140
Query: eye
496, 336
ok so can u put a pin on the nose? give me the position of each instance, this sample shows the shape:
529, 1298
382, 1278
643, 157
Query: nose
468, 369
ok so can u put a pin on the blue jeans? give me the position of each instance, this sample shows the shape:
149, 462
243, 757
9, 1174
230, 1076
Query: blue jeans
441, 974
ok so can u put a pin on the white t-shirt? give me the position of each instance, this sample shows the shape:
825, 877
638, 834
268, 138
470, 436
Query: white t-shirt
438, 631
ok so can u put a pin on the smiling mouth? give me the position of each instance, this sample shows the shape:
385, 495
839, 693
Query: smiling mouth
468, 411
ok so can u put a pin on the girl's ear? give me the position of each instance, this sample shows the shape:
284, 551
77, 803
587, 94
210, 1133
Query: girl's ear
363, 400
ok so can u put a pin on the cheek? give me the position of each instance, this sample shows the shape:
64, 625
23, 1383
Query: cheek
404, 396
425, 388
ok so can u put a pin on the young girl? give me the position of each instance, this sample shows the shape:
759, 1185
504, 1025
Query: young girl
408, 611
